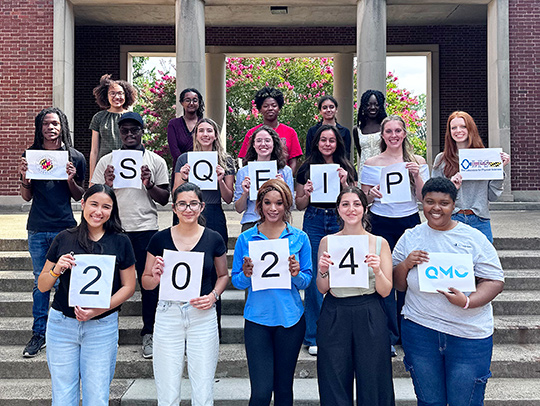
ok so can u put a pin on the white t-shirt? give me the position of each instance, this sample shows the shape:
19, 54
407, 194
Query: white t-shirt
433, 310
137, 209
371, 175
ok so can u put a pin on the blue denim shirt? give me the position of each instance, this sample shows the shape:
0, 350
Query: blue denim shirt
274, 307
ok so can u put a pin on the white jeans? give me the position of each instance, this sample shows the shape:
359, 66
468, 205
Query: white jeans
177, 324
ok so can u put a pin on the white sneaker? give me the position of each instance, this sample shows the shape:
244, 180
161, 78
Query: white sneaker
312, 350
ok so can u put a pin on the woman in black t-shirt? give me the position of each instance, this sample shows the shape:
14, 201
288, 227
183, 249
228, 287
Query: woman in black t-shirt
83, 342
187, 326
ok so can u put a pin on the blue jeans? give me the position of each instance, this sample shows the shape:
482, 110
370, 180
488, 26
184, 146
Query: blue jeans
38, 246
81, 351
317, 224
481, 224
446, 369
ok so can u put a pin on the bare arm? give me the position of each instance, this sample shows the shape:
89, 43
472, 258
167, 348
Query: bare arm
402, 269
26, 185
486, 291
293, 164
94, 152
207, 301
303, 194
382, 268
241, 204
324, 262
226, 186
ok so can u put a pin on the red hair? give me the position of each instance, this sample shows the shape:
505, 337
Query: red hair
450, 153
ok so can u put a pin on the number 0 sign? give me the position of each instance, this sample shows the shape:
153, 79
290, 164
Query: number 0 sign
91, 281
182, 275
348, 254
270, 264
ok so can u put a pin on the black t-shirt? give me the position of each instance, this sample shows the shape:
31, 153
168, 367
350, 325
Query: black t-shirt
110, 244
302, 176
51, 200
211, 243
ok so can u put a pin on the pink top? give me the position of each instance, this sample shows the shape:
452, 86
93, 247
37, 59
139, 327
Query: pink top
288, 136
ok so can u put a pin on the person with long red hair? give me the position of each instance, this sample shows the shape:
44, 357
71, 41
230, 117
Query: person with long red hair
472, 204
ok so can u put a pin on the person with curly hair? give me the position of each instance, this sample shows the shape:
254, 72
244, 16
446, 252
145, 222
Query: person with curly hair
180, 130
367, 132
115, 97
269, 102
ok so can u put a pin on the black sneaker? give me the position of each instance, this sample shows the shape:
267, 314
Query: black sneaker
34, 346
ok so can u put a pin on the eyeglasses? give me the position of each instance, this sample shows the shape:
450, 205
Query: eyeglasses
183, 206
114, 94
189, 101
128, 130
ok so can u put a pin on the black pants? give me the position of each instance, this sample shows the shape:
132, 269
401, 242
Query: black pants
353, 342
149, 298
272, 353
391, 229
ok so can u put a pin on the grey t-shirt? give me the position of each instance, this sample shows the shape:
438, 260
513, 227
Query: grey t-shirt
433, 310
106, 124
473, 195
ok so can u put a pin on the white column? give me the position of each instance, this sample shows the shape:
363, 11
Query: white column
343, 89
215, 91
190, 47
371, 45
63, 94
498, 69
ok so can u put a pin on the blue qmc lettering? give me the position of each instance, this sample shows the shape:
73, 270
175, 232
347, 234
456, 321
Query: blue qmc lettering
448, 272
431, 269
459, 274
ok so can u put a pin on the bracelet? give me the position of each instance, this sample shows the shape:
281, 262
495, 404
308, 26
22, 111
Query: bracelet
323, 274
216, 295
148, 188
26, 185
467, 304
185, 179
53, 274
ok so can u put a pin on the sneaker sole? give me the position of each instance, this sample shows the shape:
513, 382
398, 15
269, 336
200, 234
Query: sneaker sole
27, 355
148, 356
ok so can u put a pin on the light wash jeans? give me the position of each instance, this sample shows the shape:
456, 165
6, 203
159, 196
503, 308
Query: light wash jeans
38, 246
181, 327
81, 352
481, 224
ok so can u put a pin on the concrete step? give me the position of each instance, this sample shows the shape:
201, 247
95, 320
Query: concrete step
235, 392
19, 304
509, 361
508, 243
522, 329
517, 259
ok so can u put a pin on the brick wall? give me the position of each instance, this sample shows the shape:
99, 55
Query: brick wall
525, 93
26, 33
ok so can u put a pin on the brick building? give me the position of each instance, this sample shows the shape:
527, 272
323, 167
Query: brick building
482, 58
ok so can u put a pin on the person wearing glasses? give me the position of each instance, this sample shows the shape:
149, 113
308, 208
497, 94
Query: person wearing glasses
114, 97
180, 130
137, 208
189, 327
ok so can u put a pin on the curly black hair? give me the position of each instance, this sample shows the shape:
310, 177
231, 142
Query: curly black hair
200, 110
361, 118
101, 92
267, 92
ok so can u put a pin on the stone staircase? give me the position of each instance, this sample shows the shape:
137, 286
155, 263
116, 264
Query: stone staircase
515, 365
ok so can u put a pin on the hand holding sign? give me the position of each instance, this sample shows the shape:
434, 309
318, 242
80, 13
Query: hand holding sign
445, 270
271, 267
326, 183
127, 168
348, 268
259, 172
91, 281
203, 169
181, 279
46, 164
395, 184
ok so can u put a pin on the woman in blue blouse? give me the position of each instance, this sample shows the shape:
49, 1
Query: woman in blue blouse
275, 325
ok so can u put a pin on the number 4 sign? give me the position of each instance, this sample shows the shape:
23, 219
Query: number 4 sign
91, 281
348, 253
270, 264
182, 275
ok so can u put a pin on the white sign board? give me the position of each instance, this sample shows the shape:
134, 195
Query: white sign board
91, 281
270, 264
259, 172
202, 170
127, 168
445, 271
395, 184
325, 180
46, 165
348, 253
182, 275
481, 164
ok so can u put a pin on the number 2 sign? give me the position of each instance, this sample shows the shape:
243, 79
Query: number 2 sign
348, 254
91, 281
270, 264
